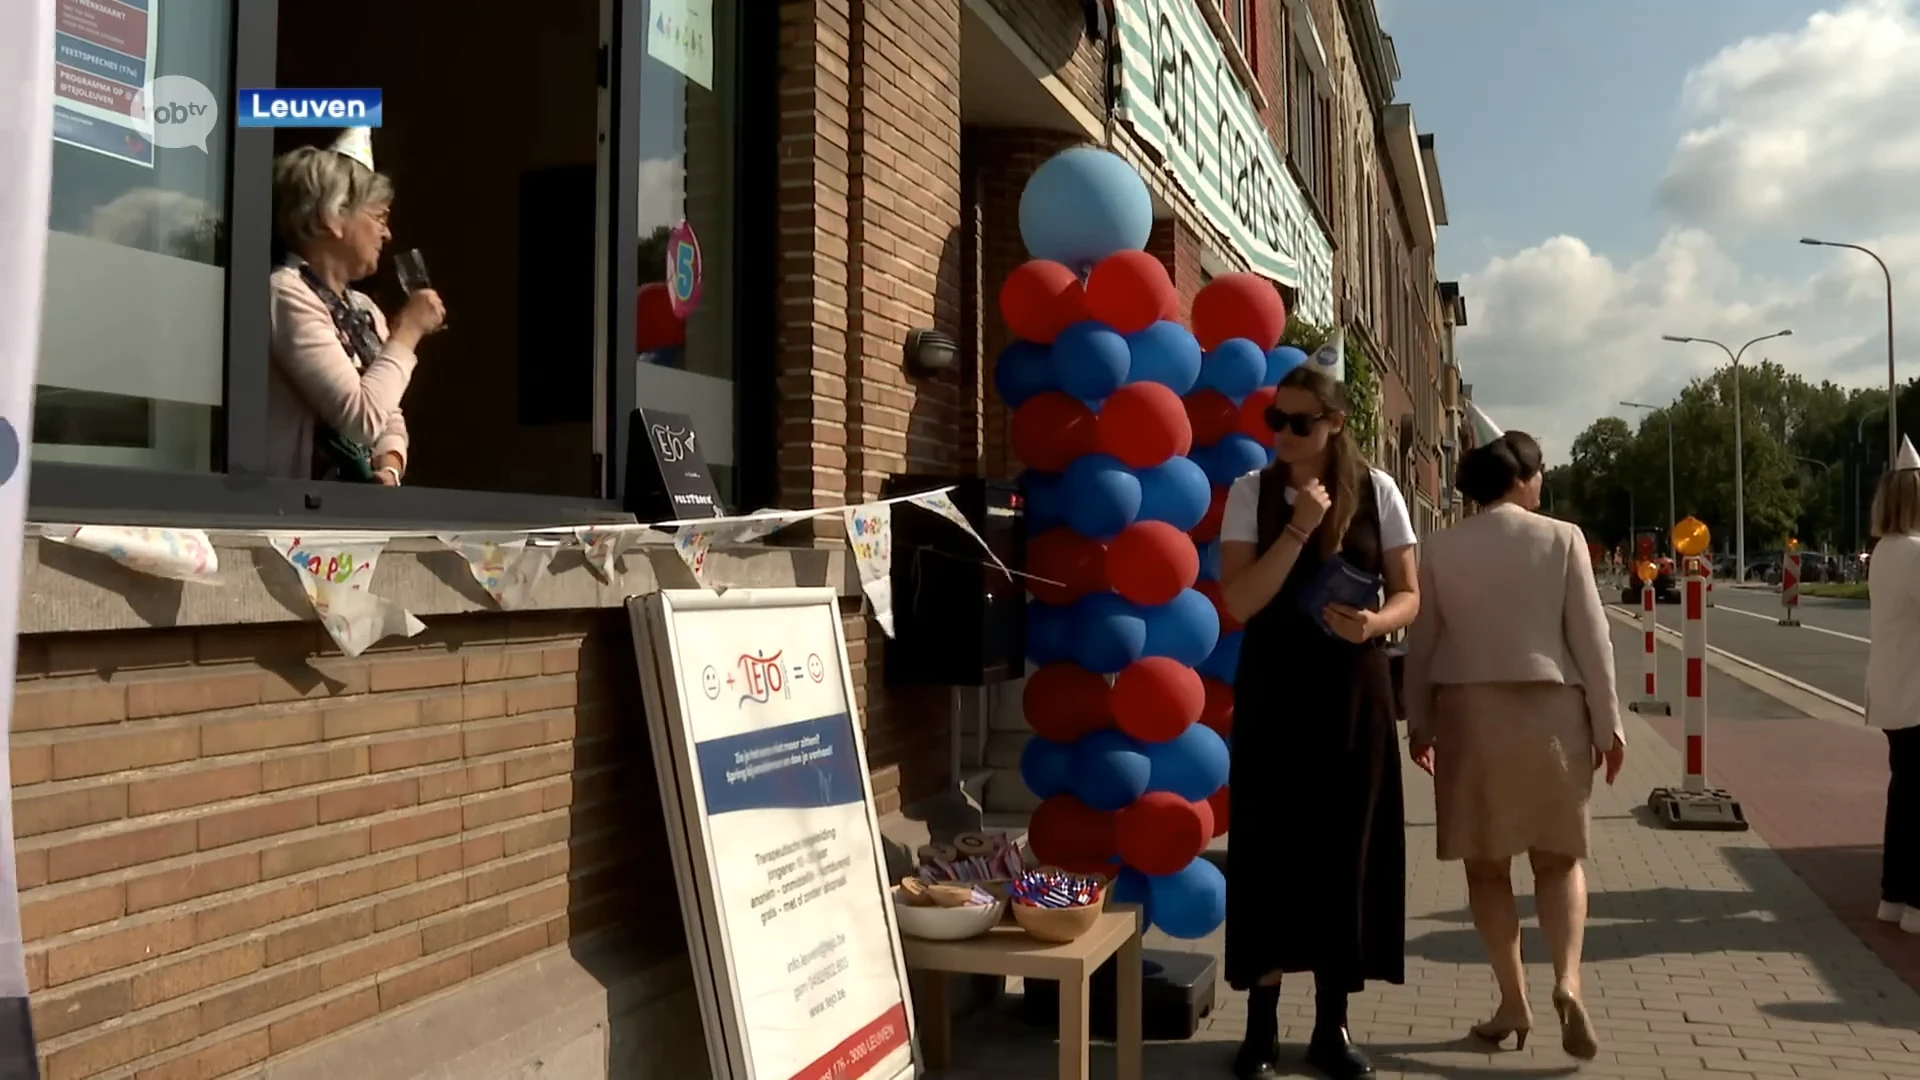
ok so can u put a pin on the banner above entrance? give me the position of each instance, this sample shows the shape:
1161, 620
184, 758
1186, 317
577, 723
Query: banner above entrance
1180, 95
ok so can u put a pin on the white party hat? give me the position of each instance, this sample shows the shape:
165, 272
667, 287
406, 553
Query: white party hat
1484, 429
1908, 459
1331, 358
355, 143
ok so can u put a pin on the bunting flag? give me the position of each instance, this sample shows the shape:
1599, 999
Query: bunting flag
1484, 429
1908, 459
26, 176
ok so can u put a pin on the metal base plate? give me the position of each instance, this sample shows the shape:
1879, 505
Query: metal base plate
1714, 810
1789, 619
1650, 708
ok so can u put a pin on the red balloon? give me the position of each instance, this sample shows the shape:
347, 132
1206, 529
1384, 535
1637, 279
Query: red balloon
1211, 590
1239, 305
1071, 835
1212, 415
1052, 429
1062, 702
1209, 528
1150, 562
1160, 832
1061, 555
654, 324
1143, 424
1217, 713
1156, 698
1253, 416
1040, 299
1221, 803
1130, 291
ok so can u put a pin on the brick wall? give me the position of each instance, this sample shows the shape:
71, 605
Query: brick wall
233, 842
1178, 249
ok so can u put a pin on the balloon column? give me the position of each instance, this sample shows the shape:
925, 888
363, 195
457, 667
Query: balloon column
1131, 700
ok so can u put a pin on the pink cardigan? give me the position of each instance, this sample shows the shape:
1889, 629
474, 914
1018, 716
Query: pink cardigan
313, 376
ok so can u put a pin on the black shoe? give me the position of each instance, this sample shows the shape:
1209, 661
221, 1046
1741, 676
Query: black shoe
1334, 1054
1257, 1059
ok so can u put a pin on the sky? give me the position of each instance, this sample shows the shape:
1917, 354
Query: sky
1615, 172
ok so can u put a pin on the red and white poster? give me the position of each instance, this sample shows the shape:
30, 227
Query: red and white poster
103, 56
26, 175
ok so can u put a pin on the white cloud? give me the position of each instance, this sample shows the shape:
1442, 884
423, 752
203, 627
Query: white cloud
662, 193
1794, 133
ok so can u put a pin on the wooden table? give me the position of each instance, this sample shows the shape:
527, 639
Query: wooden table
1008, 951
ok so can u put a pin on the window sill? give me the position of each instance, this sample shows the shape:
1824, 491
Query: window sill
65, 589
1312, 201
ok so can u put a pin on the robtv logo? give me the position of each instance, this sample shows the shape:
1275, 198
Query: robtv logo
308, 108
182, 110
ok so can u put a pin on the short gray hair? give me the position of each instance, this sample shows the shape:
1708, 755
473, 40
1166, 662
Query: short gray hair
311, 184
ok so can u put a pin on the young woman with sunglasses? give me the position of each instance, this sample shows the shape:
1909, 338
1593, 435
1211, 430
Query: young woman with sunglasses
1317, 881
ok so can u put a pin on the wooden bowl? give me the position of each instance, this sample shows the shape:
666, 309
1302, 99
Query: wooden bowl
1057, 926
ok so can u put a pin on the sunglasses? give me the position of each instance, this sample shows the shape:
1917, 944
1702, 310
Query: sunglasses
1301, 424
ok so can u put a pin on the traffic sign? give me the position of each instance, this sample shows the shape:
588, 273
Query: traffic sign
1647, 571
1789, 586
1690, 536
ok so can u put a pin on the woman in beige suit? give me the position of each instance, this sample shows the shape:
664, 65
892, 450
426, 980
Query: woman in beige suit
1511, 706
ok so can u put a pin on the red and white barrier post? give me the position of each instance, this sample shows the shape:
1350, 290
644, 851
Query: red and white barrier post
1649, 703
1695, 805
1706, 571
1790, 589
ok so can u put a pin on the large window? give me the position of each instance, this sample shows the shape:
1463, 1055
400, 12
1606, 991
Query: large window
543, 216
1309, 131
1239, 19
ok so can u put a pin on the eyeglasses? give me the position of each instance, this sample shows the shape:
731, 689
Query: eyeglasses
382, 216
1301, 424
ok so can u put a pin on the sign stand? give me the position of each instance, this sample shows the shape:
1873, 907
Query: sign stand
1790, 589
1694, 805
1649, 703
777, 851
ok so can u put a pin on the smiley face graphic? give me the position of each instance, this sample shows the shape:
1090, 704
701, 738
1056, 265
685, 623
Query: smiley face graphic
816, 668
710, 682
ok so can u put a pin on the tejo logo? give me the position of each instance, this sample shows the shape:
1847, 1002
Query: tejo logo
277, 108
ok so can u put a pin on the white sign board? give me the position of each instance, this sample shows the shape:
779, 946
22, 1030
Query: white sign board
1179, 94
783, 881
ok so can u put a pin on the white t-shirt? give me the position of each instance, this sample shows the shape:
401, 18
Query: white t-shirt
1240, 523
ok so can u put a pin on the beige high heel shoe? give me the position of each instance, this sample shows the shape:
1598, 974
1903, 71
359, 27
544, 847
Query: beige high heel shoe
1577, 1036
1496, 1030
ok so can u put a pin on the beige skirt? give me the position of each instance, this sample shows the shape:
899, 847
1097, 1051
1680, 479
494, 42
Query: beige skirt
1513, 768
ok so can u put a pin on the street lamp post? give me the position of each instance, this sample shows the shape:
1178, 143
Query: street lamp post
1893, 388
1739, 463
1672, 514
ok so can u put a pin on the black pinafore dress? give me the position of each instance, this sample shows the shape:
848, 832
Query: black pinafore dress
1316, 871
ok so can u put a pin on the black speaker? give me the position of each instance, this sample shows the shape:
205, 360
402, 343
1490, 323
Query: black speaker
958, 620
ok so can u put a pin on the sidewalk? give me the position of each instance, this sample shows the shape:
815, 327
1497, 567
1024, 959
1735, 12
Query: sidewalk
1707, 954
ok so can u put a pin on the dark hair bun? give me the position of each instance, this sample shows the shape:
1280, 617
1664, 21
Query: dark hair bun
1489, 471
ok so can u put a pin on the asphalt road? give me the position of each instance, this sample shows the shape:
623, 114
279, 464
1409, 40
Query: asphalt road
1828, 650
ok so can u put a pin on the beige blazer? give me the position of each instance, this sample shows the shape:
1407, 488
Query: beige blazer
313, 376
1508, 595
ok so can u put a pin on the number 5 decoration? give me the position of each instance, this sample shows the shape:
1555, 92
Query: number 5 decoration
683, 269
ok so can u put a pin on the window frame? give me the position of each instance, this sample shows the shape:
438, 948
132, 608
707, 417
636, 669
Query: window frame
243, 496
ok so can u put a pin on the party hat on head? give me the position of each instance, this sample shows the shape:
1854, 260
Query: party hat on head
1330, 359
1484, 429
1908, 459
355, 143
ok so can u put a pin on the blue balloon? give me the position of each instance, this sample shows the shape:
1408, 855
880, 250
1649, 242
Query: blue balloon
1130, 886
1210, 561
1189, 904
1083, 205
1183, 629
1109, 770
1090, 360
1234, 367
1176, 491
1100, 496
1192, 764
1281, 360
1230, 459
1165, 353
1045, 508
1224, 662
1049, 634
1025, 368
1046, 767
1108, 633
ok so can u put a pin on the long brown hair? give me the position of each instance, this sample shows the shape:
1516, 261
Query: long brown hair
1346, 466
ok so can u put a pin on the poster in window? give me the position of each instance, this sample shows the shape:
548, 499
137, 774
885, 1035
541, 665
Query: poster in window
680, 35
103, 54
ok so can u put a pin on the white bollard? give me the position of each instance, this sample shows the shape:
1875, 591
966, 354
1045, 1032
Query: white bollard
1649, 702
1790, 589
1695, 805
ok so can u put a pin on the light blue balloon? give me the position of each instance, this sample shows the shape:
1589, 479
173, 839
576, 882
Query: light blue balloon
1230, 459
1109, 770
1083, 205
1189, 904
1108, 633
1184, 629
1280, 360
1175, 491
1192, 764
1091, 361
1165, 353
1100, 496
1223, 662
1235, 368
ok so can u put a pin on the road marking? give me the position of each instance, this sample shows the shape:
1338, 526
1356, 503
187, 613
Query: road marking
1806, 688
1803, 626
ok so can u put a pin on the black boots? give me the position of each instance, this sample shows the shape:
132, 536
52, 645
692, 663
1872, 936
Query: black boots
1259, 1054
1330, 1050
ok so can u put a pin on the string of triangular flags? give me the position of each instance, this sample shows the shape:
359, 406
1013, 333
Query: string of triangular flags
335, 568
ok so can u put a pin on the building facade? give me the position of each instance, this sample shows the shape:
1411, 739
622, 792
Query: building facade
240, 847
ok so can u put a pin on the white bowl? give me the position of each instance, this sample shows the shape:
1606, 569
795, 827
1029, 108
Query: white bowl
946, 924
